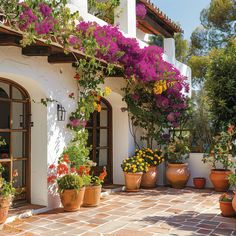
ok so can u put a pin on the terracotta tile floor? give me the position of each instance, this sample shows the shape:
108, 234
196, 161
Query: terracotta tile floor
160, 211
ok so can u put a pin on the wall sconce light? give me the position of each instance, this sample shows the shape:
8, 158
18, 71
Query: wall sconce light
61, 113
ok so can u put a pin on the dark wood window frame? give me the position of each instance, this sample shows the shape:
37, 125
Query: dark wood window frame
26, 129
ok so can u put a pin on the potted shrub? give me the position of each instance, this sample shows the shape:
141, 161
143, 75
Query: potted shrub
199, 182
226, 205
133, 168
70, 182
220, 157
93, 190
6, 194
177, 172
153, 159
232, 181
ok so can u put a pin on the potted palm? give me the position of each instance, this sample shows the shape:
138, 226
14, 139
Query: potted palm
153, 158
226, 205
93, 189
220, 158
232, 181
177, 172
133, 168
7, 192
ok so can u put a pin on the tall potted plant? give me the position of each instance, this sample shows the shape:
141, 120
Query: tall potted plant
93, 190
232, 181
220, 158
7, 192
133, 168
177, 172
153, 158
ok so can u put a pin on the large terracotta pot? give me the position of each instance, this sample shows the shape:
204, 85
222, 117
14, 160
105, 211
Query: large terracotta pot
92, 195
149, 179
199, 182
132, 181
4, 207
234, 201
227, 209
177, 175
72, 199
219, 179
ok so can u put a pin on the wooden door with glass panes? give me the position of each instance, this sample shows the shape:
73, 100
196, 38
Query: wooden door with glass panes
15, 131
100, 139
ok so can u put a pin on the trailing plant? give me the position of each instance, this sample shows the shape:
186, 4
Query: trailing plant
222, 150
177, 151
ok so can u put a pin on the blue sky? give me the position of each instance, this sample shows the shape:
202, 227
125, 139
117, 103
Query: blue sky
186, 12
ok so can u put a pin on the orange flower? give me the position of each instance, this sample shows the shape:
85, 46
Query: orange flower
99, 108
66, 158
103, 174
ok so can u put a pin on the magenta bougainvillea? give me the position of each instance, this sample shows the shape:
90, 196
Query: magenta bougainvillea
141, 11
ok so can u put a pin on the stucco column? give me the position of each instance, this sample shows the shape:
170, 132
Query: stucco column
78, 5
125, 17
169, 49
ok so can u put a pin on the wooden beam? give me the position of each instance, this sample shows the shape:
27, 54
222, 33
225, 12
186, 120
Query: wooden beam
10, 40
35, 50
61, 58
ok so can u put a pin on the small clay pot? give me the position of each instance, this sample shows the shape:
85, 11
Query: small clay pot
92, 196
199, 182
219, 179
72, 199
227, 209
132, 181
149, 179
177, 175
234, 201
4, 208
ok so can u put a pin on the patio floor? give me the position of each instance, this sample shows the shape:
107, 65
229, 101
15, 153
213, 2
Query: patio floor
160, 211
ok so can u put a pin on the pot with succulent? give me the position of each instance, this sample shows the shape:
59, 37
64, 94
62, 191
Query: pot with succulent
221, 160
93, 189
232, 181
177, 172
226, 205
133, 168
7, 192
153, 158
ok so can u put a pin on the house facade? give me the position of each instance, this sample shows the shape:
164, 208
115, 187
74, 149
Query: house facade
35, 134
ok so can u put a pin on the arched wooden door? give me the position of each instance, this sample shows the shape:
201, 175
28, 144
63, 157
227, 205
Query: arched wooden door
15, 131
100, 139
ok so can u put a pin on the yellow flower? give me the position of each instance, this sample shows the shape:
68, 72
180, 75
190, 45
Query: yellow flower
155, 162
107, 91
95, 105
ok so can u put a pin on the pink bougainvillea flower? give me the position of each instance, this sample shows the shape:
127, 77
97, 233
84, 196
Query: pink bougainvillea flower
171, 117
45, 9
141, 10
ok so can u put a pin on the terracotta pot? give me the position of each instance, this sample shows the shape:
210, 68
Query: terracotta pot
149, 179
199, 182
72, 199
177, 175
4, 207
234, 201
132, 181
92, 195
219, 179
227, 209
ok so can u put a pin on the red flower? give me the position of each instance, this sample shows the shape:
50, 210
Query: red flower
62, 169
66, 158
230, 129
52, 166
51, 178
72, 170
103, 174
77, 77
72, 95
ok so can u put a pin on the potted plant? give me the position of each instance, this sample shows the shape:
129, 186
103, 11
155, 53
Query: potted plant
7, 192
199, 182
220, 157
70, 182
177, 172
93, 190
232, 181
226, 205
133, 168
153, 159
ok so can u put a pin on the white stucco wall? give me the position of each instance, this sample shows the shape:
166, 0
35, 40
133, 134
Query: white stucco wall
48, 136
